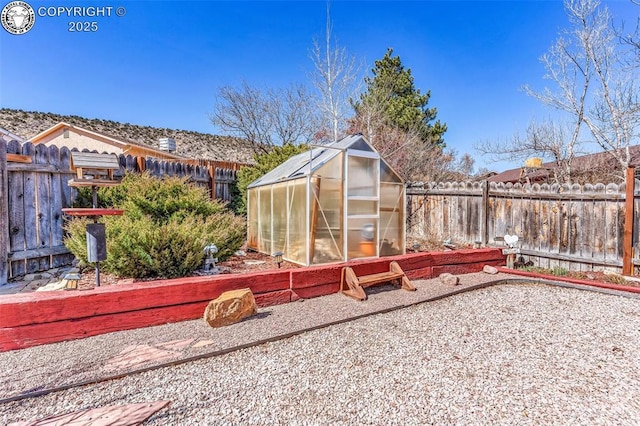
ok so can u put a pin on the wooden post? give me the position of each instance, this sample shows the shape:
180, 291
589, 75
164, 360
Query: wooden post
142, 164
212, 180
627, 248
484, 217
4, 214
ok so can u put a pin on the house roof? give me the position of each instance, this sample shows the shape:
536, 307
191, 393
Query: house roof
308, 162
124, 145
8, 136
582, 163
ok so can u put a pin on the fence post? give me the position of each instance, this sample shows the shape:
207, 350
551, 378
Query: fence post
484, 217
4, 214
212, 180
627, 247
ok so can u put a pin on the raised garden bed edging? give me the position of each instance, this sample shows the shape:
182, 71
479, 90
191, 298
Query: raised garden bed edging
32, 319
576, 281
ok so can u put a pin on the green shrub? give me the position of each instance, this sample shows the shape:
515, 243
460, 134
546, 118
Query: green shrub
560, 272
165, 227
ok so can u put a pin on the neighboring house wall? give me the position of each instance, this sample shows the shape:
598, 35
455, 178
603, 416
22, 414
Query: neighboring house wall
64, 134
71, 138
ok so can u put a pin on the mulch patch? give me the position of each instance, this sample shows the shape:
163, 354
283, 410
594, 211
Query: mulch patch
250, 262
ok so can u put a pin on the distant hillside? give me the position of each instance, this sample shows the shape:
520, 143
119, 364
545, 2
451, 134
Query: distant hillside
27, 124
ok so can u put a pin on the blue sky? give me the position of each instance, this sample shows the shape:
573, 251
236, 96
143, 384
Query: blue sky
161, 63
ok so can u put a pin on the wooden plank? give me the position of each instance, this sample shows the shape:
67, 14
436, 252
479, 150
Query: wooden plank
18, 309
599, 225
20, 167
121, 415
316, 290
92, 182
55, 201
68, 193
18, 337
4, 214
43, 205
69, 329
94, 161
16, 213
30, 212
273, 298
467, 268
367, 280
611, 242
17, 158
39, 252
627, 254
574, 231
568, 258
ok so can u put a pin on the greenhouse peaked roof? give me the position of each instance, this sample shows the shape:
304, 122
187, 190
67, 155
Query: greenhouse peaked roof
299, 165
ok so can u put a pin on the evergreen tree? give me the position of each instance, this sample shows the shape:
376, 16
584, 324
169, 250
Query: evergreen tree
393, 99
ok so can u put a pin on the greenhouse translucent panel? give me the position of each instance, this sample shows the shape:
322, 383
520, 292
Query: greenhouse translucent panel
360, 207
361, 145
332, 170
297, 206
363, 177
391, 219
327, 211
362, 235
388, 175
252, 219
264, 221
279, 194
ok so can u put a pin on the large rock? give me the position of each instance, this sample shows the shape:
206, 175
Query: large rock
230, 307
488, 269
449, 279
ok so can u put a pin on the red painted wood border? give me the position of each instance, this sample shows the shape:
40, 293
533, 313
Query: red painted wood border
43, 307
570, 280
46, 317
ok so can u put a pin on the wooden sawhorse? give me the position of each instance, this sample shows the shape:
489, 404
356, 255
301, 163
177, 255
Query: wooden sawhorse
353, 286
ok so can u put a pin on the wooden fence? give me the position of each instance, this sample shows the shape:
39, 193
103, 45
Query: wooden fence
34, 190
567, 226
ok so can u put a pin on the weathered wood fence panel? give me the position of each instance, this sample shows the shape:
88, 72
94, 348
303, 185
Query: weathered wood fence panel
34, 192
567, 226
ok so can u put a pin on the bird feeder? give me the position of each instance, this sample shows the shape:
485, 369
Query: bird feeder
95, 171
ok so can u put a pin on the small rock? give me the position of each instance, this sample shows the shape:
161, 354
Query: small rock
449, 279
54, 286
32, 277
230, 307
488, 269
591, 277
126, 281
254, 262
240, 253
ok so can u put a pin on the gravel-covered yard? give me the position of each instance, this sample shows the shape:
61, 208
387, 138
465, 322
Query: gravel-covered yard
507, 354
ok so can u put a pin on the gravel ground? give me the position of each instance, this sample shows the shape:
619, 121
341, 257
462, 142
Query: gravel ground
507, 354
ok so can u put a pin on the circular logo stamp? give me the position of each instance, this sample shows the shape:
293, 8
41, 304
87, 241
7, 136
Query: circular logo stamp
17, 17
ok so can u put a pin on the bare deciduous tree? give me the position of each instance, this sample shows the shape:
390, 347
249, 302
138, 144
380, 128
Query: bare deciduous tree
614, 117
265, 117
403, 149
595, 90
334, 77
546, 139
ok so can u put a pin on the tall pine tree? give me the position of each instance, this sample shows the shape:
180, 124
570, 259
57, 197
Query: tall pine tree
391, 99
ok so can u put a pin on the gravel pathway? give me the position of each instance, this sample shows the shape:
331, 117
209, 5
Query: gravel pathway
508, 354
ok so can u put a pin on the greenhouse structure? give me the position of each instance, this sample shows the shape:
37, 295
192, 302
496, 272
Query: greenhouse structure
334, 203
